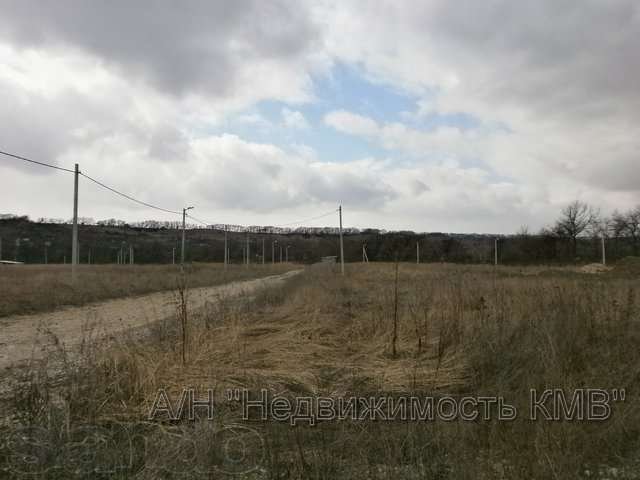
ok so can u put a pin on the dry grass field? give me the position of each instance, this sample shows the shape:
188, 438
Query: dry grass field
378, 332
35, 288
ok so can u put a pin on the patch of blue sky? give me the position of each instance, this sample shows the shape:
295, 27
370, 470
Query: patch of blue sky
349, 88
344, 88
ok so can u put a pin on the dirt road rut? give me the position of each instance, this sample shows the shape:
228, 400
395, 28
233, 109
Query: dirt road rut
29, 336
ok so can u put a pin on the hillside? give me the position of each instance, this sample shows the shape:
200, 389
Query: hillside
26, 241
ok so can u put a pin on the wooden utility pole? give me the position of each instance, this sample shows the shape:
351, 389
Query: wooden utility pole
184, 229
74, 232
225, 247
341, 242
418, 252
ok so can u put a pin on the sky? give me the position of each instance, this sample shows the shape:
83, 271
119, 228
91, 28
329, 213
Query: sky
425, 115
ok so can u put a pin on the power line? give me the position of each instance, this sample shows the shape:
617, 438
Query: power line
155, 207
307, 219
198, 220
128, 197
36, 162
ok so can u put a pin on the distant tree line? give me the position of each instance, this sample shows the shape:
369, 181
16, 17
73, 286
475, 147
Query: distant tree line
575, 237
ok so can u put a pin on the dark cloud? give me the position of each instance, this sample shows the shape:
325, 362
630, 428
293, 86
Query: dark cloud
168, 144
345, 187
44, 128
418, 187
562, 57
178, 46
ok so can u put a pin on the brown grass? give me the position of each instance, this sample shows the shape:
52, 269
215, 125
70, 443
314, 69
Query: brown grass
461, 329
34, 288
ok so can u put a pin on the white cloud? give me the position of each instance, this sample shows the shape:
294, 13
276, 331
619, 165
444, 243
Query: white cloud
351, 123
395, 136
254, 119
294, 119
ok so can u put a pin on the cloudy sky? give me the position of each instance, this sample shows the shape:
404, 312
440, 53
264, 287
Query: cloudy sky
427, 115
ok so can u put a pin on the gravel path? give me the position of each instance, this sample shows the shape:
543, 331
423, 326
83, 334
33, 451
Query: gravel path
29, 336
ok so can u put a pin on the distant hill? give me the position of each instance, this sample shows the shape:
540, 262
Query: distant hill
154, 242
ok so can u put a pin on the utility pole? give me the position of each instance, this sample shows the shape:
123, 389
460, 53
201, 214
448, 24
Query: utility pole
247, 249
263, 250
225, 247
417, 252
74, 234
604, 254
184, 228
173, 256
341, 243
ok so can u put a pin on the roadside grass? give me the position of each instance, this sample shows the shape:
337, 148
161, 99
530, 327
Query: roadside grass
461, 330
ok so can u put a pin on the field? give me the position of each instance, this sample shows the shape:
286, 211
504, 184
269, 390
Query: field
384, 331
36, 288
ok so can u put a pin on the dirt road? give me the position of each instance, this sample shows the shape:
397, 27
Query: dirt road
30, 336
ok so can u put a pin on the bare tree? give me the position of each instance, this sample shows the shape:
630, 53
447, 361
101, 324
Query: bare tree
599, 226
628, 225
576, 219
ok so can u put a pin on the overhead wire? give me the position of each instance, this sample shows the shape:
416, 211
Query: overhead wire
129, 197
25, 159
202, 222
146, 204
